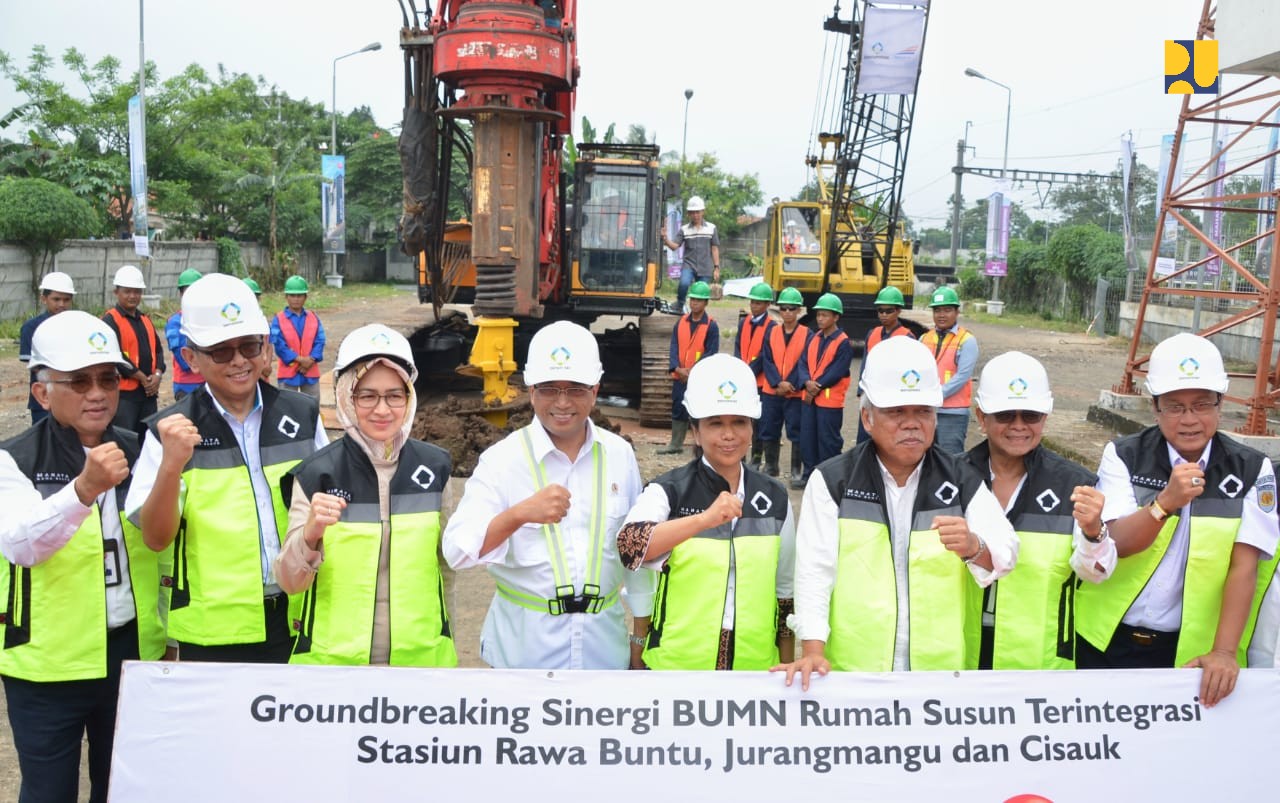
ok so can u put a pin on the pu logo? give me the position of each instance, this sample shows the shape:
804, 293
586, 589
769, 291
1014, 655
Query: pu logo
98, 341
231, 312
560, 356
910, 379
1018, 387
1190, 367
1191, 67
728, 390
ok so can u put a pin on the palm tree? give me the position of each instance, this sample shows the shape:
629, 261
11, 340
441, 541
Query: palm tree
277, 180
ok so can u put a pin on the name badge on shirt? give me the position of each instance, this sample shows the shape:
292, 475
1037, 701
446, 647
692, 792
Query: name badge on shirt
111, 562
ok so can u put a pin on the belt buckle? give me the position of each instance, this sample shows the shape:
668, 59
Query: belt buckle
1140, 637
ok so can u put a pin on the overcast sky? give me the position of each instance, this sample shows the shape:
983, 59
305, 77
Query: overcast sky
1082, 73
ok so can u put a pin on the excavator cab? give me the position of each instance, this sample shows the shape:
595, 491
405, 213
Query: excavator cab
794, 252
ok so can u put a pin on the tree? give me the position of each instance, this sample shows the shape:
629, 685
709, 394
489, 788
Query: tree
727, 195
1081, 255
41, 216
373, 189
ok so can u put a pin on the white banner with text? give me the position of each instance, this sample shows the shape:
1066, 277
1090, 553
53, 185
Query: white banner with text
218, 732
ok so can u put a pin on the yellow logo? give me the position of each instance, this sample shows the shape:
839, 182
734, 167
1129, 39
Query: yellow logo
1191, 67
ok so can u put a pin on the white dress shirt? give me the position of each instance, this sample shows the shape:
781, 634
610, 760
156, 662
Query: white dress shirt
1159, 604
518, 637
818, 552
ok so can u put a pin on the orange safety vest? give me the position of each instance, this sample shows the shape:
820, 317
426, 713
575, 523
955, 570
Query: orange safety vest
946, 353
300, 345
690, 344
129, 346
834, 395
786, 355
751, 341
877, 334
182, 376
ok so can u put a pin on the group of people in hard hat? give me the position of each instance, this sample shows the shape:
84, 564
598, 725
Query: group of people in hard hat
231, 530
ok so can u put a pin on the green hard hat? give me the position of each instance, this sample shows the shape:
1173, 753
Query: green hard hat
188, 277
700, 290
761, 292
891, 297
257, 291
790, 295
944, 297
831, 303
295, 284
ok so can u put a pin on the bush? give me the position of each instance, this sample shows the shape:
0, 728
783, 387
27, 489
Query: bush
229, 257
41, 216
972, 283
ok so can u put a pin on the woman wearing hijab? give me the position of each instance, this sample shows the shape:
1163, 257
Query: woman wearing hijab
365, 602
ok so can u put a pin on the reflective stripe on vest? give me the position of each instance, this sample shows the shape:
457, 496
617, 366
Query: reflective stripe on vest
947, 358
300, 345
130, 347
691, 343
751, 338
818, 360
1034, 626
564, 590
945, 602
182, 376
688, 611
792, 352
57, 623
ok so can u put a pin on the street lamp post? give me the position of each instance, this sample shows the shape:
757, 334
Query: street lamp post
333, 122
1004, 165
684, 143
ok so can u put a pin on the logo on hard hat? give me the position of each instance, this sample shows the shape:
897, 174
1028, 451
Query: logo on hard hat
560, 356
98, 341
728, 390
1018, 387
1189, 367
380, 339
231, 312
910, 378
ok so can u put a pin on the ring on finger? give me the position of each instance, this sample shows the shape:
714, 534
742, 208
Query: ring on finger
1196, 480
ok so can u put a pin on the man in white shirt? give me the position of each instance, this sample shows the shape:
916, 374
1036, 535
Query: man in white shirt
541, 512
84, 588
927, 533
1191, 512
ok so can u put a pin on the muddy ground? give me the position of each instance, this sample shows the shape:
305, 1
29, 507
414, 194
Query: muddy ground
1079, 366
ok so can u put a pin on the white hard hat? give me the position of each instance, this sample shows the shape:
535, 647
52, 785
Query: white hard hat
696, 204
563, 352
375, 340
722, 385
73, 340
58, 282
1185, 361
1014, 381
129, 276
219, 307
901, 372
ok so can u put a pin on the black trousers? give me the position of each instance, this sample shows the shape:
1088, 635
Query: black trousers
1130, 648
275, 649
135, 405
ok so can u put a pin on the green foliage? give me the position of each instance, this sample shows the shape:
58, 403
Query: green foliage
1031, 285
374, 189
40, 216
229, 257
973, 284
727, 195
1082, 254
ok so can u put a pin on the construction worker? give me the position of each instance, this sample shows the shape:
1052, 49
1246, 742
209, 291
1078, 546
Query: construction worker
889, 304
1055, 509
927, 534
253, 285
783, 391
748, 344
209, 477
956, 351
140, 345
298, 339
57, 293
721, 534
540, 513
701, 241
695, 336
1192, 513
364, 521
89, 588
792, 240
185, 381
824, 375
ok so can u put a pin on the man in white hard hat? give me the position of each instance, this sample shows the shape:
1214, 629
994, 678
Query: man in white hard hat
90, 588
1192, 513
209, 477
141, 347
701, 243
928, 532
541, 512
57, 293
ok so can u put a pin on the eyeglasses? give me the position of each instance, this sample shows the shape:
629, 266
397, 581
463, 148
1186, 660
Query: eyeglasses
1177, 410
225, 354
1028, 416
368, 399
787, 308
551, 393
886, 310
83, 383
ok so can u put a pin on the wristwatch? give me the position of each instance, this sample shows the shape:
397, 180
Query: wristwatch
1157, 511
1103, 533
637, 640
982, 547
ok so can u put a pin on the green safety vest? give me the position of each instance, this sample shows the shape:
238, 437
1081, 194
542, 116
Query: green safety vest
1215, 519
217, 583
693, 585
945, 603
1035, 603
56, 621
338, 609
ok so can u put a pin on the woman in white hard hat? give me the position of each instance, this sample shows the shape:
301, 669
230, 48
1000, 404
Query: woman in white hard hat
722, 535
367, 602
1027, 617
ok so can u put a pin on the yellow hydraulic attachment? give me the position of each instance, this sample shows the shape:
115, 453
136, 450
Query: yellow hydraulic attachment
493, 358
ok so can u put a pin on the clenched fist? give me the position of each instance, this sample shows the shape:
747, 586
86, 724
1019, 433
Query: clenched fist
954, 533
547, 506
325, 510
1087, 509
1186, 482
723, 510
178, 438
105, 467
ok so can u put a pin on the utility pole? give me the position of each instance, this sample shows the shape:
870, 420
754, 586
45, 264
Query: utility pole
955, 204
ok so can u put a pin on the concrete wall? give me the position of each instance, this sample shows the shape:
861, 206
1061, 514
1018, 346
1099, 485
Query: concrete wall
1239, 344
